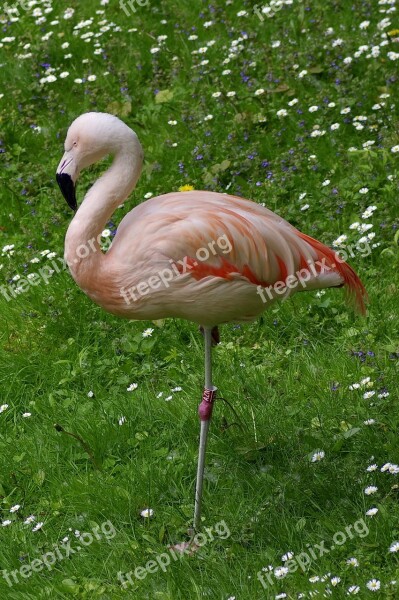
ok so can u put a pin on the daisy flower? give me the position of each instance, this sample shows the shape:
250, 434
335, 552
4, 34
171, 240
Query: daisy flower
29, 520
373, 585
147, 332
281, 572
317, 456
354, 589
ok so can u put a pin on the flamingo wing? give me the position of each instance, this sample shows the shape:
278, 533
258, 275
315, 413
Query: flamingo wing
216, 239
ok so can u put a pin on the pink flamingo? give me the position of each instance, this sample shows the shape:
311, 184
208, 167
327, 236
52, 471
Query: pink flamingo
206, 257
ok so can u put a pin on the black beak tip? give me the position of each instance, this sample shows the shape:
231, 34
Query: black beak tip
67, 188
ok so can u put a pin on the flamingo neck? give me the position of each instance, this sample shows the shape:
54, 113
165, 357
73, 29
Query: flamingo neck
82, 247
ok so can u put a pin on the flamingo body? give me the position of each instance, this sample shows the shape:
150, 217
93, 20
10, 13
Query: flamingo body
172, 234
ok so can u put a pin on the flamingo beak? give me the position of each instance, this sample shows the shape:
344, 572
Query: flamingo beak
66, 177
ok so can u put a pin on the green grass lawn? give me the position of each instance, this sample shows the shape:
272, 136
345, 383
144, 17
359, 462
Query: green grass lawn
295, 107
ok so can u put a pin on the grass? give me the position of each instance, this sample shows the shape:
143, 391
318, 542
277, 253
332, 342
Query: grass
287, 376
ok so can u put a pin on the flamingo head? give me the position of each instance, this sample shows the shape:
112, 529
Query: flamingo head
91, 137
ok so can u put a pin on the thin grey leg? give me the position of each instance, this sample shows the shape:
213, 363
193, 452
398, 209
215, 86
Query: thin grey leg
205, 414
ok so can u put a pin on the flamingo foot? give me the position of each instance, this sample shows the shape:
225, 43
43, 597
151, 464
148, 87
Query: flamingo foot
188, 548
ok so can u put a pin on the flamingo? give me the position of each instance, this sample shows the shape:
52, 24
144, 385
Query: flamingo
206, 257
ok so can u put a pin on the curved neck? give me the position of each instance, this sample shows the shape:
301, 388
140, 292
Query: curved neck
82, 248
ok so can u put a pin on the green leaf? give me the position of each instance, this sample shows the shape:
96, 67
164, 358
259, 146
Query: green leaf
120, 109
39, 477
226, 163
351, 432
19, 457
352, 332
149, 538
293, 409
300, 524
164, 96
161, 534
69, 586
338, 445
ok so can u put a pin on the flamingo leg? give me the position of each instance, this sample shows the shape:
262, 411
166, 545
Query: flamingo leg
205, 415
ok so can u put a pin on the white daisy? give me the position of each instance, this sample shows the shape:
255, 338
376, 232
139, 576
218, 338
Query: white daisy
147, 332
317, 456
373, 585
29, 520
354, 589
281, 572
